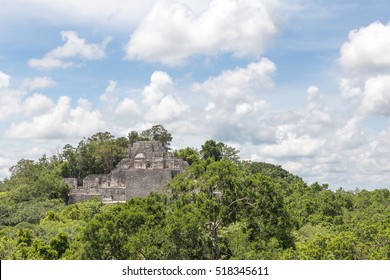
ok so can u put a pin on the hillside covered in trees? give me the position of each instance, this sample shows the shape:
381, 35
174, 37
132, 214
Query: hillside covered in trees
220, 208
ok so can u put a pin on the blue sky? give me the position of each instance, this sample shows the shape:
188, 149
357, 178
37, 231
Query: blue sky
303, 84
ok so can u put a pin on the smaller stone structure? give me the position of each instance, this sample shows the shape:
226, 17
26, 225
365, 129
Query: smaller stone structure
145, 168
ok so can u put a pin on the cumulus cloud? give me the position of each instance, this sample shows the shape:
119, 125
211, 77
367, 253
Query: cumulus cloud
246, 108
5, 164
37, 82
127, 107
13, 101
61, 121
164, 105
108, 97
240, 83
350, 135
37, 104
171, 32
318, 117
235, 102
379, 152
350, 88
74, 46
312, 90
4, 80
10, 99
290, 145
308, 129
157, 102
120, 107
168, 109
160, 84
302, 141
376, 99
367, 49
365, 61
10, 102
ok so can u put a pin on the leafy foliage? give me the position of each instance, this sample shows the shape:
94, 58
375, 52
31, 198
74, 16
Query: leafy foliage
219, 208
98, 154
218, 151
155, 133
188, 154
34, 188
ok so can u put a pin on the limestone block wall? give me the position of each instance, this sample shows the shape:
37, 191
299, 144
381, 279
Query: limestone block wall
141, 182
145, 169
123, 185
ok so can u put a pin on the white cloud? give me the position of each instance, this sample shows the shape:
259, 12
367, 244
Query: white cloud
240, 83
37, 104
62, 121
111, 86
127, 107
367, 49
246, 108
303, 141
37, 82
312, 90
235, 104
365, 61
4, 80
376, 99
10, 99
48, 62
160, 85
350, 135
170, 108
5, 164
13, 101
108, 96
74, 46
318, 117
290, 145
160, 98
349, 88
171, 32
379, 150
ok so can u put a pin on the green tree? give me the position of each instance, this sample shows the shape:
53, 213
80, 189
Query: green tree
121, 231
60, 244
211, 150
157, 133
218, 151
229, 153
226, 194
100, 153
133, 136
188, 154
34, 188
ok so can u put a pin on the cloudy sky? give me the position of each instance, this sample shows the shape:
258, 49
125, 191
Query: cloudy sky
300, 83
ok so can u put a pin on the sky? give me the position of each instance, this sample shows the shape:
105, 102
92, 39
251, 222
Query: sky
304, 84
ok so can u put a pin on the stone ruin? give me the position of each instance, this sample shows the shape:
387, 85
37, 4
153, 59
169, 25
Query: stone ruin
145, 168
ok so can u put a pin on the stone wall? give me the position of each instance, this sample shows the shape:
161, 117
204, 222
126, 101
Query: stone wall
142, 182
145, 169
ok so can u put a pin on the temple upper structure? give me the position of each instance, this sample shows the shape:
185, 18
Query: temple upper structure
145, 168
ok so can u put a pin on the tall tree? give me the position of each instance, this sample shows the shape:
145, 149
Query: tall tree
188, 154
210, 149
218, 151
157, 133
98, 154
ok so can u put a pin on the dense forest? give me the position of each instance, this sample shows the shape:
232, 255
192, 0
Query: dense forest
221, 207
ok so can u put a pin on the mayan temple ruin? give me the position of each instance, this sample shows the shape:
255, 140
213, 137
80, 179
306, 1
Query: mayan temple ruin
145, 168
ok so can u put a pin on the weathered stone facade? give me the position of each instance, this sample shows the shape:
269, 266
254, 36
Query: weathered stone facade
145, 168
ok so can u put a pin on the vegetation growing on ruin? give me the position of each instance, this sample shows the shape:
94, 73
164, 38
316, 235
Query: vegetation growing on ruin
219, 208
